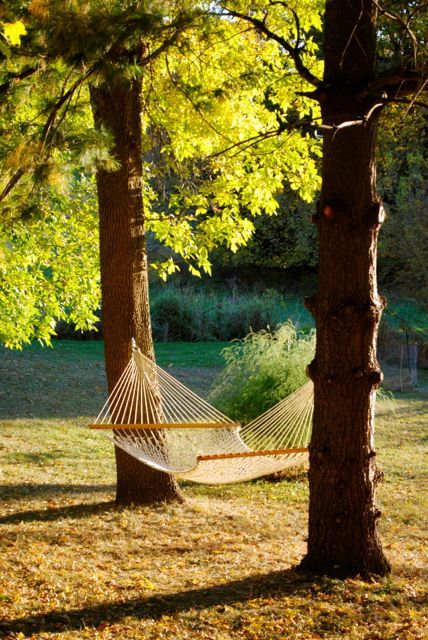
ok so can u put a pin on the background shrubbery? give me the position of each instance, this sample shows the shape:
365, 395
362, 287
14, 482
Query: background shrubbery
187, 314
261, 370
230, 311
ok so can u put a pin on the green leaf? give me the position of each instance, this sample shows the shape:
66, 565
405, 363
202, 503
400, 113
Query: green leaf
13, 31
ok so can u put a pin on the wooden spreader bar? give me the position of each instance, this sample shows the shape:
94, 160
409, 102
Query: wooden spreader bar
169, 425
252, 454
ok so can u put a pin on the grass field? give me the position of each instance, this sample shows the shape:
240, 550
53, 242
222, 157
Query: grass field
69, 380
218, 566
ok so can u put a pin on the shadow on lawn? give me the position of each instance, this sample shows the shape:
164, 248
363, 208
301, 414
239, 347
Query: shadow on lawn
260, 585
26, 490
75, 511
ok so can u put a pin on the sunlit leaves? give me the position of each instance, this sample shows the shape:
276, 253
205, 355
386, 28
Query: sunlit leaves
223, 123
49, 267
223, 113
13, 31
10, 35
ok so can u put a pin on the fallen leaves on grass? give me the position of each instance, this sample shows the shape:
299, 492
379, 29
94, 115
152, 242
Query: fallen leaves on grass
218, 567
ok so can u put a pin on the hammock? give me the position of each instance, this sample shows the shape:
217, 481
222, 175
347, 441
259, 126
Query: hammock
158, 420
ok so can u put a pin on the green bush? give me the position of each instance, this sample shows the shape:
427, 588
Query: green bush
172, 317
262, 369
183, 313
233, 318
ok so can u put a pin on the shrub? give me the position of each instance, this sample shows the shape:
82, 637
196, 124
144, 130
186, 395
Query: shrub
172, 317
262, 369
233, 318
183, 313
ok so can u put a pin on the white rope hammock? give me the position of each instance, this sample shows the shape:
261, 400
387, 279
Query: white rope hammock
158, 420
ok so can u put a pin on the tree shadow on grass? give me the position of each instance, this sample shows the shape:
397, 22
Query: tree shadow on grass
26, 490
153, 607
74, 511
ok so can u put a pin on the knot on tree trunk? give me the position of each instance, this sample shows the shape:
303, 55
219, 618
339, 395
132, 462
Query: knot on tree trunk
311, 371
350, 316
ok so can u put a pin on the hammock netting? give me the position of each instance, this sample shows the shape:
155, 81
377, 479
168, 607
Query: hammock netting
158, 420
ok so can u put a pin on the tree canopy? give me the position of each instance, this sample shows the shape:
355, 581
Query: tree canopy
224, 130
227, 129
50, 266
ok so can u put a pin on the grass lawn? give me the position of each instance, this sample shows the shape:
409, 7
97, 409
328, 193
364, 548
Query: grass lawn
68, 380
218, 566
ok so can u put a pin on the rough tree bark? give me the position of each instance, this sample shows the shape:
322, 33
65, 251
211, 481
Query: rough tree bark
343, 517
124, 275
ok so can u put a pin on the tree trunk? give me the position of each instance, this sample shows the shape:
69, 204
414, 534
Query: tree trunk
343, 518
124, 275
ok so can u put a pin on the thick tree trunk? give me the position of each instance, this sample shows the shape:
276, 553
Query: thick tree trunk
343, 518
124, 276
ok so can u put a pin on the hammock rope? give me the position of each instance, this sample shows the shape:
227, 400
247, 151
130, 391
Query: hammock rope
158, 420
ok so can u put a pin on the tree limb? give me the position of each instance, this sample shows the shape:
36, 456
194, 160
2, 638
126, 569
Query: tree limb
260, 25
405, 25
302, 124
395, 84
65, 97
16, 77
12, 182
49, 130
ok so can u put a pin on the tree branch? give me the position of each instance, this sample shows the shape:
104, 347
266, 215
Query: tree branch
12, 182
405, 25
16, 77
302, 124
260, 26
65, 97
396, 83
48, 130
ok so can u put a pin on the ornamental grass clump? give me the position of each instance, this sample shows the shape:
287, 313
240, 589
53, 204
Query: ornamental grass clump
261, 370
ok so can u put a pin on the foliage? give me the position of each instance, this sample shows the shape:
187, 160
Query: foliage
205, 313
211, 86
49, 267
224, 129
186, 313
282, 240
407, 316
11, 32
403, 179
238, 140
261, 370
172, 317
67, 574
289, 239
217, 88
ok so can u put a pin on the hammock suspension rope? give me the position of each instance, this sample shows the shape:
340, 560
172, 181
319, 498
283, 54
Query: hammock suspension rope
158, 420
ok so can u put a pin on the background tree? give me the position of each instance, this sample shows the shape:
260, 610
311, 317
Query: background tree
286, 240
